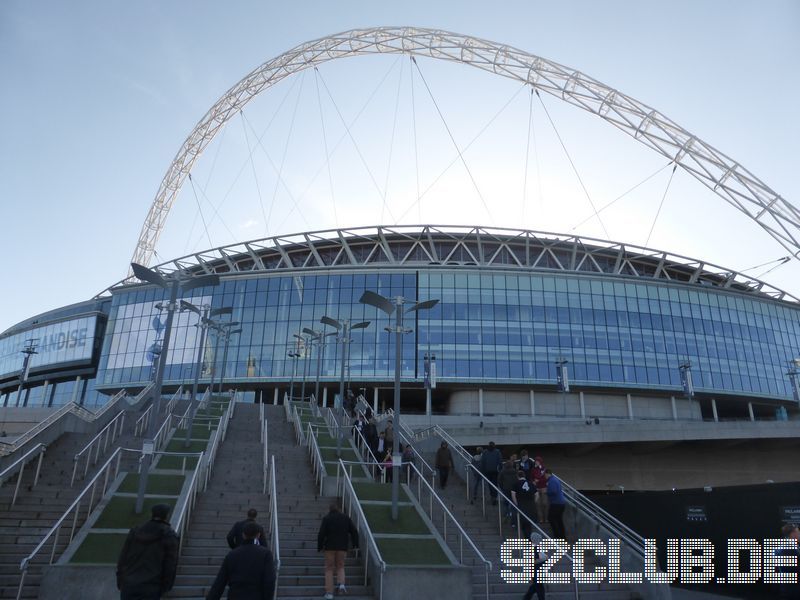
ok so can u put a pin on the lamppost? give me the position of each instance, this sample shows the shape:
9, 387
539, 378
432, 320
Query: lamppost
344, 327
205, 313
320, 337
173, 283
794, 377
28, 351
562, 380
685, 369
294, 356
227, 335
219, 333
389, 306
307, 342
430, 380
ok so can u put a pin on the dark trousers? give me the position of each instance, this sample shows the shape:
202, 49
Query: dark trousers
444, 472
476, 482
536, 588
492, 477
135, 595
555, 514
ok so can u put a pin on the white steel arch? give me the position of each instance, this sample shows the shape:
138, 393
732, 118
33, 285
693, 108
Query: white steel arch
727, 178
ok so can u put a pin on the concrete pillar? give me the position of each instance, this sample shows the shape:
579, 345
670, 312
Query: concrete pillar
674, 409
714, 410
533, 405
324, 397
630, 406
44, 392
275, 397
480, 402
750, 410
375, 401
75, 389
583, 406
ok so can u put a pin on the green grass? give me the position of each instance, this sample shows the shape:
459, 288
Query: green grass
411, 551
169, 485
175, 463
176, 445
100, 548
118, 513
377, 491
348, 454
325, 439
379, 517
199, 431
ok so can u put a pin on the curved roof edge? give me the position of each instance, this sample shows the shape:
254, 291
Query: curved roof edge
462, 246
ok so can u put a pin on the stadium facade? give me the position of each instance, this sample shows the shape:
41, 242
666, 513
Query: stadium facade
512, 305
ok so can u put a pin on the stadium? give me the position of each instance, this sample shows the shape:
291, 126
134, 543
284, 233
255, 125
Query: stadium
630, 368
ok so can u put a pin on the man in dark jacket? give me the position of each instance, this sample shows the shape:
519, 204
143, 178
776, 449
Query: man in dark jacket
149, 558
248, 570
333, 536
235, 538
491, 460
444, 462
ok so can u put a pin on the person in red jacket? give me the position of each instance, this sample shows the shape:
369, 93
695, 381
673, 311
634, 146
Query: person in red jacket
540, 481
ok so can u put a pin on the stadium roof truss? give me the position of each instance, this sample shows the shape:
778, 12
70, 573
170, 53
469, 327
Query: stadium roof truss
726, 177
412, 246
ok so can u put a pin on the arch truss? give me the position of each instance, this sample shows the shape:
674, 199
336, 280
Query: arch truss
726, 177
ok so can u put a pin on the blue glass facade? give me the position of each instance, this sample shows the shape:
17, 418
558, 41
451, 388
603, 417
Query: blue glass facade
491, 326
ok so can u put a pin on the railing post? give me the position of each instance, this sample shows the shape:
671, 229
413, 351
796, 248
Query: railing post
19, 480
38, 468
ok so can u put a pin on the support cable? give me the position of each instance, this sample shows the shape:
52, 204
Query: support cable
623, 194
418, 202
200, 210
781, 262
527, 153
203, 190
295, 203
452, 139
661, 204
355, 145
391, 141
285, 149
255, 175
467, 147
325, 146
242, 167
575, 170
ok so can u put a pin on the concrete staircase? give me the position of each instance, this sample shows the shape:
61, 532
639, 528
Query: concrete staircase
23, 525
235, 486
300, 512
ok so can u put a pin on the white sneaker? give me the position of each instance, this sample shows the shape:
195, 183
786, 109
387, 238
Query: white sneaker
327, 596
341, 590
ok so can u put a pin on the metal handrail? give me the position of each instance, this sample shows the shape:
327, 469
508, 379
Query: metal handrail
111, 431
219, 436
21, 462
463, 535
266, 455
104, 471
519, 516
7, 448
185, 512
349, 492
317, 464
110, 404
142, 422
298, 427
273, 534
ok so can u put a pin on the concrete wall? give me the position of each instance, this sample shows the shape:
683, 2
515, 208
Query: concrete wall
82, 581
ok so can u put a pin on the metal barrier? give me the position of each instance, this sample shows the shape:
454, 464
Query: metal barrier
74, 510
7, 448
274, 537
350, 505
219, 437
18, 468
184, 514
474, 477
108, 434
264, 440
317, 464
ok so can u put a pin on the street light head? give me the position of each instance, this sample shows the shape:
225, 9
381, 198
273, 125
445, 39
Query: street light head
331, 322
362, 325
142, 273
189, 306
377, 301
230, 324
226, 310
427, 304
235, 331
311, 332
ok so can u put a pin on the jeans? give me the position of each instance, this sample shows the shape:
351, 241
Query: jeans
492, 477
556, 517
444, 472
536, 588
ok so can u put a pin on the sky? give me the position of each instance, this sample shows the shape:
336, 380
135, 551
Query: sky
98, 97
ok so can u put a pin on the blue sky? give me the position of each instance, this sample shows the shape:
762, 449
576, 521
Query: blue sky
98, 97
